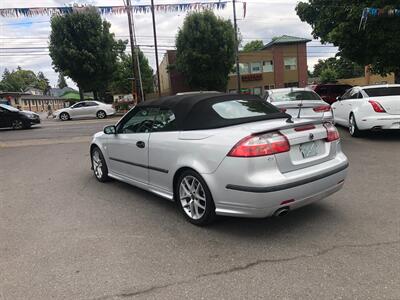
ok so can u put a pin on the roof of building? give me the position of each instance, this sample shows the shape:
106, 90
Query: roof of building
286, 40
194, 112
13, 93
40, 97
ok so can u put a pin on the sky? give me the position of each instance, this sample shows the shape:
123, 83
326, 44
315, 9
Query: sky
264, 20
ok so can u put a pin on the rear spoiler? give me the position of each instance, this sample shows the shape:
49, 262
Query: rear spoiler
292, 125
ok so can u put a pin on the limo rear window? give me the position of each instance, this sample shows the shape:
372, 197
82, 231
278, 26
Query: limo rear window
383, 91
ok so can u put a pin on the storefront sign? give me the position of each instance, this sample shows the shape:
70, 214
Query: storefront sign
252, 77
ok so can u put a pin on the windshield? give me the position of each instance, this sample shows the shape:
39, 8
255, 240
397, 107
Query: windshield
8, 107
237, 109
384, 91
294, 96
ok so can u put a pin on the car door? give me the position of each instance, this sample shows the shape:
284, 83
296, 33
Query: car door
163, 150
128, 149
3, 117
90, 109
77, 110
339, 109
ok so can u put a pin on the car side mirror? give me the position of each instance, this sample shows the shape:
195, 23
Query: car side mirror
111, 129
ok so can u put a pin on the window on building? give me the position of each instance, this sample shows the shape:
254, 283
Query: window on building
255, 67
268, 66
269, 87
290, 63
291, 84
244, 68
25, 102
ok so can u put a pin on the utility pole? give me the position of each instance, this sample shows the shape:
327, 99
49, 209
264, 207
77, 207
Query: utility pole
155, 47
236, 47
136, 80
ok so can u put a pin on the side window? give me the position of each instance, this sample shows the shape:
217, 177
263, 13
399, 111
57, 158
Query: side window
79, 104
347, 95
90, 103
139, 121
354, 94
165, 121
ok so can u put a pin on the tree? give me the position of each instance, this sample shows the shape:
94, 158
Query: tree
328, 75
205, 51
253, 46
121, 84
343, 67
20, 80
61, 83
82, 48
377, 45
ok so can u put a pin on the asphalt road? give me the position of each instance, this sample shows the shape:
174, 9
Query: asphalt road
63, 235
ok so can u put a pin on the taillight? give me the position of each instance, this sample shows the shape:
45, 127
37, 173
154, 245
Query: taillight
332, 134
377, 106
260, 145
305, 128
322, 108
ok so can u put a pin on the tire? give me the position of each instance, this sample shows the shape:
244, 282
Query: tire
17, 124
353, 128
99, 165
194, 198
101, 114
64, 116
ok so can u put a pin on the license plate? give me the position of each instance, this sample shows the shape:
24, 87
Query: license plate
309, 149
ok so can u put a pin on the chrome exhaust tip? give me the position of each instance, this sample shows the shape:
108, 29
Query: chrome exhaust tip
281, 212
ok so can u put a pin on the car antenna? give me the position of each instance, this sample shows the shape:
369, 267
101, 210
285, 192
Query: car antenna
300, 107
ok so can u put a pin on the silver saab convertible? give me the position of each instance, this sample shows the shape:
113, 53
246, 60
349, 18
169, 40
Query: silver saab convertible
222, 154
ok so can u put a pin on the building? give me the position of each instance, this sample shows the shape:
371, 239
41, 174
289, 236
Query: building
369, 79
36, 103
281, 63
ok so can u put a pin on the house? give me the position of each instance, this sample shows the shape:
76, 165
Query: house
36, 103
281, 63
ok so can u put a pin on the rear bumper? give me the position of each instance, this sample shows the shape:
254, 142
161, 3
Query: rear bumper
302, 187
384, 121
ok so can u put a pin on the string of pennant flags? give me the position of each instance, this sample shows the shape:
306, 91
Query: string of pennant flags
115, 10
377, 12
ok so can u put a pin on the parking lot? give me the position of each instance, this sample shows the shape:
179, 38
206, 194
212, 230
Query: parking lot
64, 235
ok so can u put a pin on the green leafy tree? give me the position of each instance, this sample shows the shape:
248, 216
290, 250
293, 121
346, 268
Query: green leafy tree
121, 84
205, 51
82, 48
343, 67
377, 45
253, 46
19, 80
328, 76
61, 83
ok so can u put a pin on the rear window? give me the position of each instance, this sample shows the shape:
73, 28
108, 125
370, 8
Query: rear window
238, 109
384, 91
294, 96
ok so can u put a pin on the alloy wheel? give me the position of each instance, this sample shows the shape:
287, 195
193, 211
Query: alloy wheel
192, 197
97, 164
352, 125
64, 117
17, 124
101, 114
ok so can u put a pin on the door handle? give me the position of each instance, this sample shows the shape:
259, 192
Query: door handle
140, 144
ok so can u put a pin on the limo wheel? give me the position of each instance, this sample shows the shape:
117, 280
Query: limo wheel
353, 128
99, 165
194, 198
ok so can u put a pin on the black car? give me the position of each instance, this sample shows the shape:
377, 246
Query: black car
12, 117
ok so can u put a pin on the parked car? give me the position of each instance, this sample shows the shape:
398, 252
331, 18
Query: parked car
300, 103
17, 119
85, 109
373, 107
244, 159
329, 92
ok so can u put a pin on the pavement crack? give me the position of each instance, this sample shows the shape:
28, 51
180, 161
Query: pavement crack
245, 267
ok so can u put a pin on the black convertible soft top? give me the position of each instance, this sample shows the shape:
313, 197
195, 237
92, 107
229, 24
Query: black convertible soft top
194, 111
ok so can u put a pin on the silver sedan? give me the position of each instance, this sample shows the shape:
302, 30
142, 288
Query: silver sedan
85, 109
220, 154
300, 103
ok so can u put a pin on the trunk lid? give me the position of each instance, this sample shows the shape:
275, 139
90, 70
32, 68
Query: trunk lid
391, 104
307, 139
307, 108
